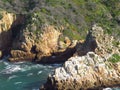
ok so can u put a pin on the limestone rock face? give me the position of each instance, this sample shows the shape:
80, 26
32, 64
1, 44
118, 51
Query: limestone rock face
43, 47
91, 67
5, 32
21, 56
48, 42
89, 71
99, 42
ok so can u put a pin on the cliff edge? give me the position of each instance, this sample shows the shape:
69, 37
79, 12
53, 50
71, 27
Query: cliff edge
96, 64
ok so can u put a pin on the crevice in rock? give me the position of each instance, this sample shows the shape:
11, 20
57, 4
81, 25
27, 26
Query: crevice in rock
58, 57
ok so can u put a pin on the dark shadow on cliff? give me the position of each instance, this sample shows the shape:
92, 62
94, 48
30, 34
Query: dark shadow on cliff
58, 57
5, 41
17, 26
90, 44
8, 36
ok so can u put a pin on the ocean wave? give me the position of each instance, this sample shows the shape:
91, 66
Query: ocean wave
10, 69
35, 89
11, 77
17, 83
29, 74
39, 72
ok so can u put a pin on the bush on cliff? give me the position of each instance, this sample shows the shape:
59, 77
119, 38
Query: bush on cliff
115, 58
76, 16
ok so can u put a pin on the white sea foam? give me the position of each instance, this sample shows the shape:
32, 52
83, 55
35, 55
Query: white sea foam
39, 72
107, 89
29, 74
12, 68
17, 83
11, 77
35, 89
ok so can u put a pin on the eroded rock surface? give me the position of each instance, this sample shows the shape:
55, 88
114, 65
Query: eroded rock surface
5, 32
44, 47
91, 67
86, 72
99, 42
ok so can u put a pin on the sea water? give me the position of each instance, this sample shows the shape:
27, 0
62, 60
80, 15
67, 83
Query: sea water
26, 75
23, 75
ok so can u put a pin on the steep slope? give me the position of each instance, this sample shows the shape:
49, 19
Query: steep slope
6, 22
69, 19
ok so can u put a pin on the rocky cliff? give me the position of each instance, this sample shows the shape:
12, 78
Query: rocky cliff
99, 42
50, 31
96, 64
6, 22
41, 45
46, 30
85, 72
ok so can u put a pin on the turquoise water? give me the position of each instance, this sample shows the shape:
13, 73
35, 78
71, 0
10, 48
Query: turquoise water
23, 75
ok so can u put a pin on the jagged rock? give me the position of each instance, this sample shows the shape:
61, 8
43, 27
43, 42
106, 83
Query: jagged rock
48, 42
5, 31
85, 72
18, 55
67, 41
45, 46
98, 42
90, 68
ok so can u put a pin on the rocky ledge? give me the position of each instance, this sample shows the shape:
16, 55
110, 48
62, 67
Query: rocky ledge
86, 72
96, 64
28, 42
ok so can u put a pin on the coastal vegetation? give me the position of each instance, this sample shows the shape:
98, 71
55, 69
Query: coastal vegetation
81, 33
115, 58
75, 16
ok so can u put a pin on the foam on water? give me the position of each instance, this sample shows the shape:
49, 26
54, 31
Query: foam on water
39, 72
23, 75
107, 89
11, 77
17, 83
29, 74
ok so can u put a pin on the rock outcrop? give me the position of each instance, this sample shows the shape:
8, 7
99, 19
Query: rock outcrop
99, 42
93, 65
85, 72
44, 47
5, 30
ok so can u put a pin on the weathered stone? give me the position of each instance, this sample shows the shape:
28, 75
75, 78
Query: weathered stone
45, 46
5, 32
18, 55
89, 71
90, 67
98, 42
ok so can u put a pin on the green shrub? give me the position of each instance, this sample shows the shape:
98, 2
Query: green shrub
115, 58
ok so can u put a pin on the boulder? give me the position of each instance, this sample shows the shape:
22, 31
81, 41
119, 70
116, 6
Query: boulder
84, 72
